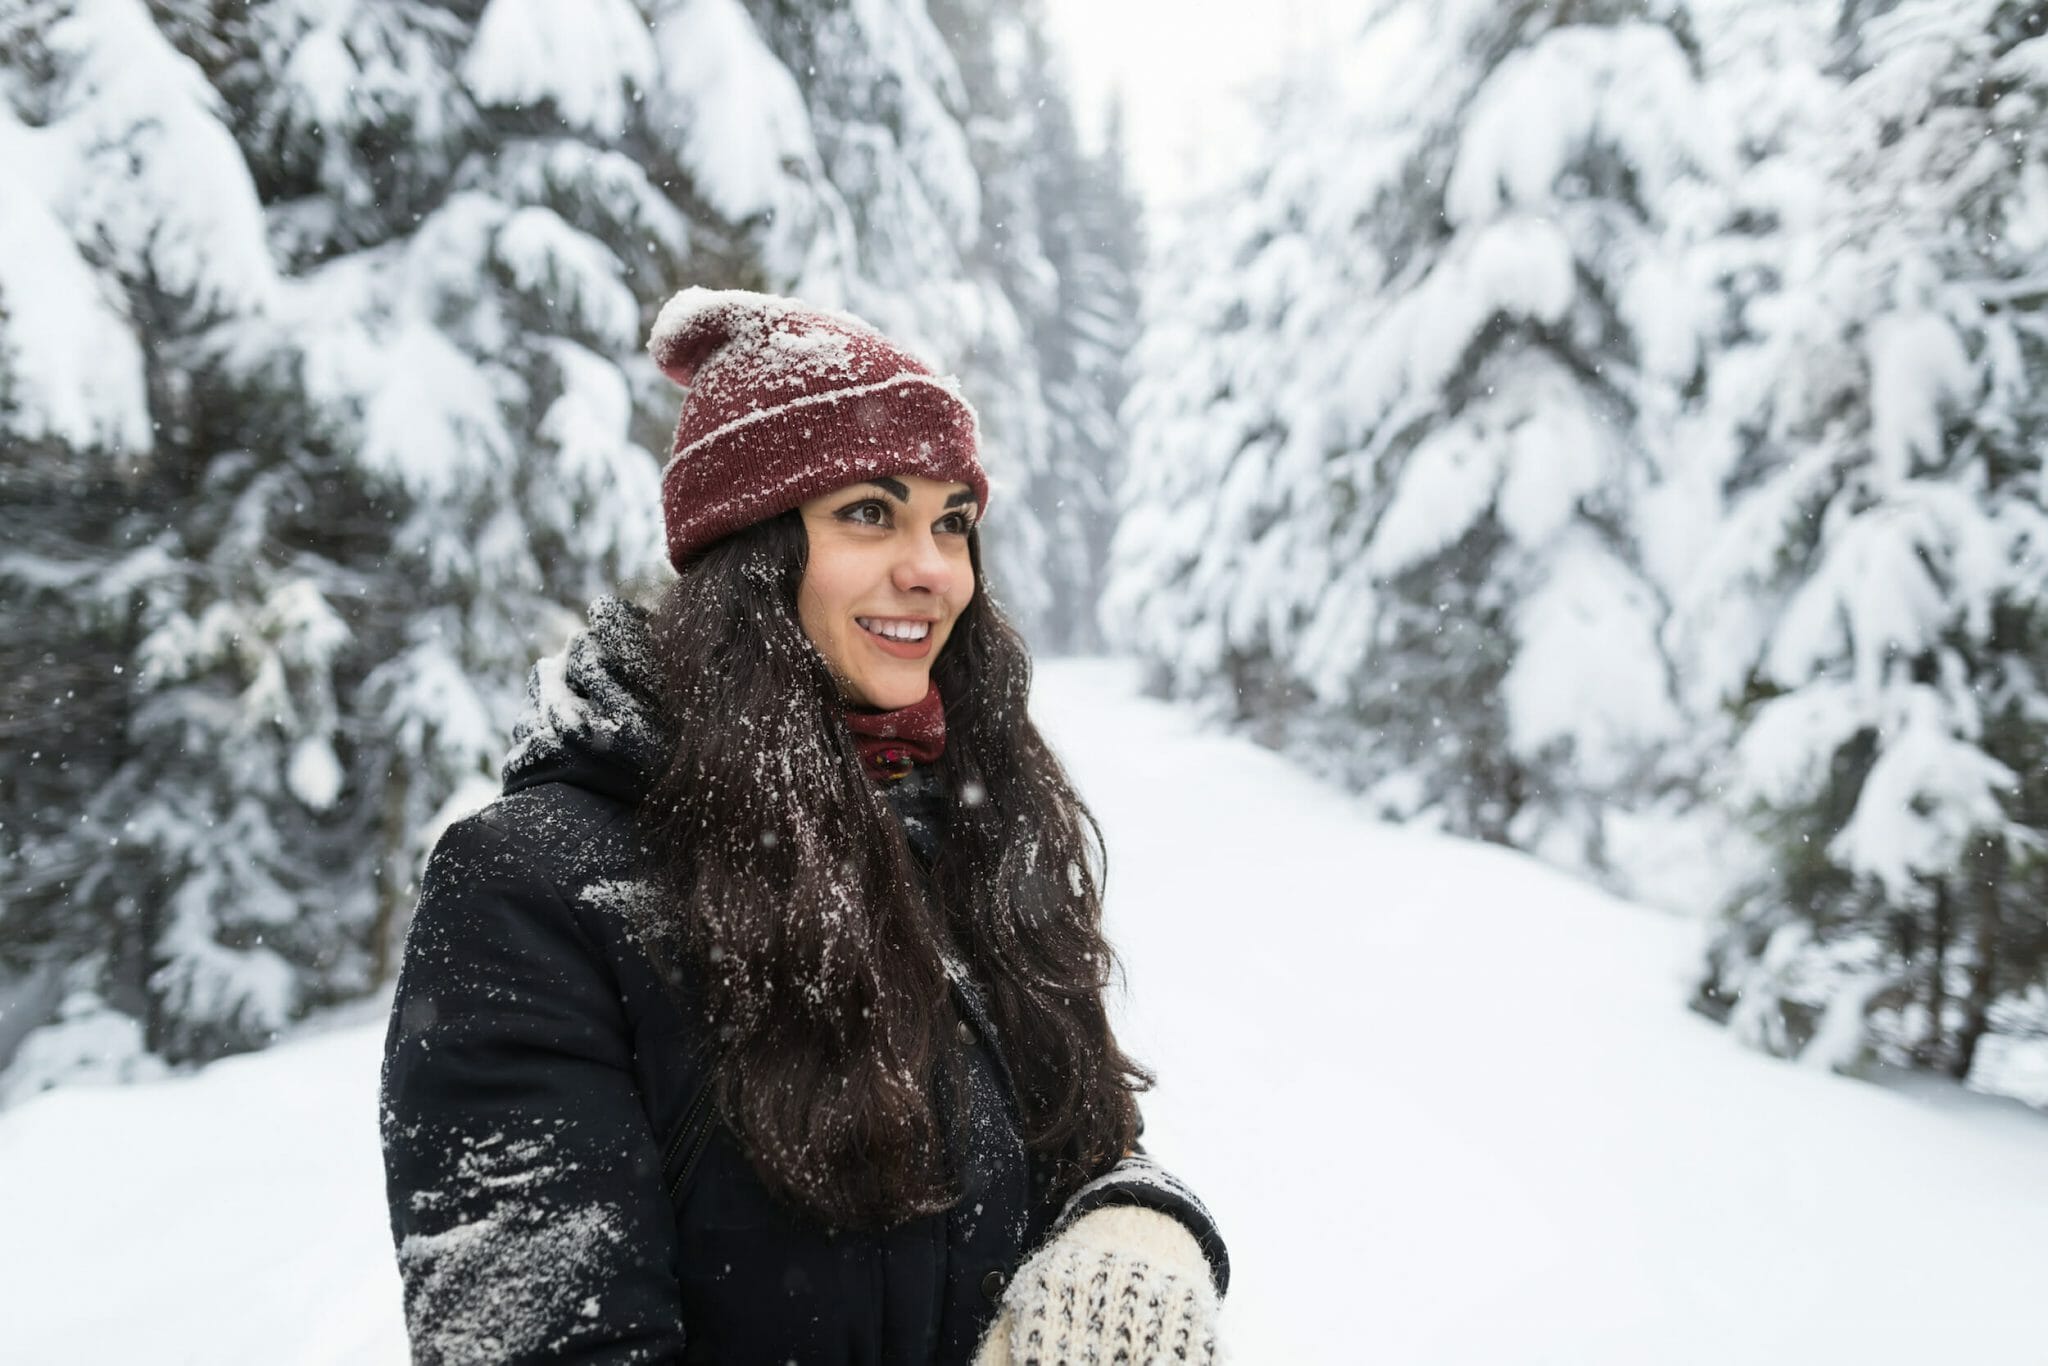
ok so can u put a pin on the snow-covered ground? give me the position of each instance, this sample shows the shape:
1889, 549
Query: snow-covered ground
1444, 1102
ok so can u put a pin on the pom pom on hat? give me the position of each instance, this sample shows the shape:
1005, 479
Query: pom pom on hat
695, 322
786, 402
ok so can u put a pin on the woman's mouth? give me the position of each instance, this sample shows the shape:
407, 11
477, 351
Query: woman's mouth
903, 637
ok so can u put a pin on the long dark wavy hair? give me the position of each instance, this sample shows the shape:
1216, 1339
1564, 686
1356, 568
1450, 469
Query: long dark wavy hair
815, 956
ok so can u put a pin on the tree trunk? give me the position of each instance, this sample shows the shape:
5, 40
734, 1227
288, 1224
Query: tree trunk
1929, 1052
391, 879
1990, 931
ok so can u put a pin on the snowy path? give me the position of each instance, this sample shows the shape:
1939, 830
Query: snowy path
1443, 1101
1448, 1109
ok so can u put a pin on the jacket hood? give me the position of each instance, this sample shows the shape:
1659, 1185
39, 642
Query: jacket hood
591, 716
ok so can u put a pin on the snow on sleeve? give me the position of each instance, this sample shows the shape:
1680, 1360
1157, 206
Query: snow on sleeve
641, 908
498, 1285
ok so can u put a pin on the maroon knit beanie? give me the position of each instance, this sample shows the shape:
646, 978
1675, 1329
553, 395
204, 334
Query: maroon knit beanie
787, 402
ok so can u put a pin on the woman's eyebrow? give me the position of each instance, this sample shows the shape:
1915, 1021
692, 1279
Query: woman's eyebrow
896, 489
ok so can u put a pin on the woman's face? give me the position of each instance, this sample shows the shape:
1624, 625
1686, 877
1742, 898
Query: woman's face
888, 553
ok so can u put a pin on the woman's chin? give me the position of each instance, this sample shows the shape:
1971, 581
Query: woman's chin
896, 694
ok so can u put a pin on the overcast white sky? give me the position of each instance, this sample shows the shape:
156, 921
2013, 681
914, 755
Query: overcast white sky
1176, 62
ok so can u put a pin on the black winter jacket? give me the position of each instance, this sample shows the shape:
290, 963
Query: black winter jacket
559, 1188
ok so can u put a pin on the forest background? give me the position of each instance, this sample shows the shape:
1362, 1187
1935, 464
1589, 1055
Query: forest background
1614, 430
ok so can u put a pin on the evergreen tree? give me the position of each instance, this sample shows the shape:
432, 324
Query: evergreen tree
1400, 397
1093, 231
326, 411
1043, 354
1872, 612
147, 231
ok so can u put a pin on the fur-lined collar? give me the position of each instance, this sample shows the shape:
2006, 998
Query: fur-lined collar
592, 716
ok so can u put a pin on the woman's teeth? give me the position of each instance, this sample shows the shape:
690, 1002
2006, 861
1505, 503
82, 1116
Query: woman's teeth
895, 630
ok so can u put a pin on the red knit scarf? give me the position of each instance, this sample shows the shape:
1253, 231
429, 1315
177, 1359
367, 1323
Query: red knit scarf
891, 741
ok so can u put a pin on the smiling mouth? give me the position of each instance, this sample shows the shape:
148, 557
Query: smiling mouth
903, 631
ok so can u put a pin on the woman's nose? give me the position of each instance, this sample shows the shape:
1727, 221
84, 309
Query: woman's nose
923, 564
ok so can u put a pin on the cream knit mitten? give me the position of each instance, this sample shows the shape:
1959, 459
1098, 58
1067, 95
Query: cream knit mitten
1120, 1286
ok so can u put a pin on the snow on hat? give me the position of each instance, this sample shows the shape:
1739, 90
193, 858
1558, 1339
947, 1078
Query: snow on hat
786, 402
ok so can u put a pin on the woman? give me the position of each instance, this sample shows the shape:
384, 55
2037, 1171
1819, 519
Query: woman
761, 1018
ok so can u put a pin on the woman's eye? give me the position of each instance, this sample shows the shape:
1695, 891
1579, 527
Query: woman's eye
852, 514
956, 523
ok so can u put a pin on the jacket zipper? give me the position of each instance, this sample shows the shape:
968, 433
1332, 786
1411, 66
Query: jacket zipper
698, 1103
696, 1151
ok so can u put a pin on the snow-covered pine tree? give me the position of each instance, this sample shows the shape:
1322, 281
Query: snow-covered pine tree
1091, 224
327, 412
469, 315
1872, 612
1399, 395
1050, 357
135, 228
